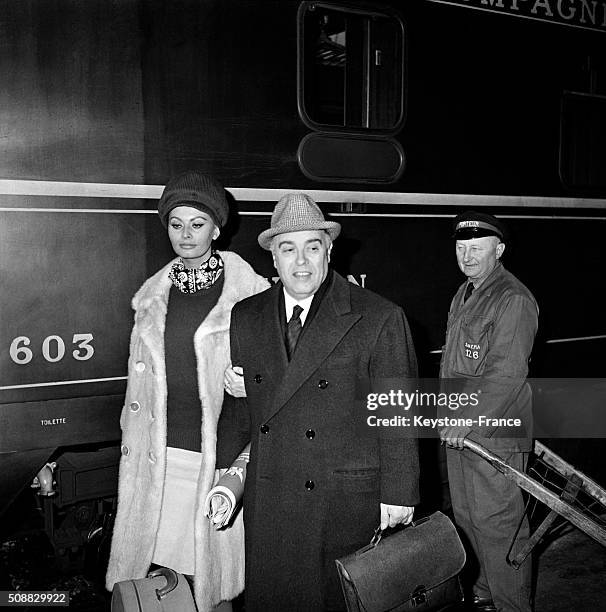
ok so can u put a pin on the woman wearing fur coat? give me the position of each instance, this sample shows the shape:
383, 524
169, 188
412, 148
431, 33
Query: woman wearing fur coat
179, 351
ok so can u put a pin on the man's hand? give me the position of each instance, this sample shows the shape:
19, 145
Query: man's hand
395, 515
454, 436
233, 381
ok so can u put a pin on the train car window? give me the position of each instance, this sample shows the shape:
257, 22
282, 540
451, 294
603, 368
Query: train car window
583, 140
351, 68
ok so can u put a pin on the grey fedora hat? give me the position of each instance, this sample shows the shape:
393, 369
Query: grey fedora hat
297, 212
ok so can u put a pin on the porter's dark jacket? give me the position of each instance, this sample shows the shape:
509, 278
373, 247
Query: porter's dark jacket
488, 342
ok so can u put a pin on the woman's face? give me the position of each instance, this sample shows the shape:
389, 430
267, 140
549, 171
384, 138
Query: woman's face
191, 232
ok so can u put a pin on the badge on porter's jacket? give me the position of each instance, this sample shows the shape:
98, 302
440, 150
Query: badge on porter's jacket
472, 351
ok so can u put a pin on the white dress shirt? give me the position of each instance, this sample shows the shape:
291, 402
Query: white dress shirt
290, 303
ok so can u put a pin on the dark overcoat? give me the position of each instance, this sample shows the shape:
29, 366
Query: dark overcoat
315, 479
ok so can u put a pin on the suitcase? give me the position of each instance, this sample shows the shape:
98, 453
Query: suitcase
164, 590
415, 569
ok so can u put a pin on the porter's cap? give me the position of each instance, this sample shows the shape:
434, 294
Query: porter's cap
473, 224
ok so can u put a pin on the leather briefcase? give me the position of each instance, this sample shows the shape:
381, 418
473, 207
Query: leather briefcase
164, 590
417, 569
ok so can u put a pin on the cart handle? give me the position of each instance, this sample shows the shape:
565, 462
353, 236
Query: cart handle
564, 509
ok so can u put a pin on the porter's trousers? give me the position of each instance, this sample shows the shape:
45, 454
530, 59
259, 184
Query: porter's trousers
488, 508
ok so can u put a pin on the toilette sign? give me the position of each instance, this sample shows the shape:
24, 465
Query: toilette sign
587, 14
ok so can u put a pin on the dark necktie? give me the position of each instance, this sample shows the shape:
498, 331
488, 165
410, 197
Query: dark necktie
293, 330
468, 291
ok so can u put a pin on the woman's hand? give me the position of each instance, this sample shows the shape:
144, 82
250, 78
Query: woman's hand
233, 381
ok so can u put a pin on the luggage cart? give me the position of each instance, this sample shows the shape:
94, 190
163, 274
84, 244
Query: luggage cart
567, 492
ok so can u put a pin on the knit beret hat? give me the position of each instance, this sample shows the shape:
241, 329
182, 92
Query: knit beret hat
296, 212
198, 190
473, 224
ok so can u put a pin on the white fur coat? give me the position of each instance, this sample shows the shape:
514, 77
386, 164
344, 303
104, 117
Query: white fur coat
143, 422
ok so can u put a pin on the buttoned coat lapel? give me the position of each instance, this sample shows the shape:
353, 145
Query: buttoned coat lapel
272, 345
330, 324
271, 348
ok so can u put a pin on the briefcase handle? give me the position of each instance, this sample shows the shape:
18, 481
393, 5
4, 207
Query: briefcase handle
172, 579
376, 538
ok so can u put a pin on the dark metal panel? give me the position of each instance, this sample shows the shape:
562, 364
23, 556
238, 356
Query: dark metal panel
583, 142
33, 425
31, 431
70, 102
86, 475
350, 158
220, 90
67, 282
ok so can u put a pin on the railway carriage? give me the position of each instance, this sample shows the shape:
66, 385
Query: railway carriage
394, 116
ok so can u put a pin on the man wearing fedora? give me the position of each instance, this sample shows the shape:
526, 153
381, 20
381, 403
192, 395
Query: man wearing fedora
491, 327
317, 487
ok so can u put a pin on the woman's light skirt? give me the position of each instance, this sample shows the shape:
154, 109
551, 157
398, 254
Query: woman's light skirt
175, 538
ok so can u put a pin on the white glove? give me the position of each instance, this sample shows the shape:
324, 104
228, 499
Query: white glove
233, 381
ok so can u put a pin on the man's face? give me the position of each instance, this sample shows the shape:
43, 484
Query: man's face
478, 257
301, 259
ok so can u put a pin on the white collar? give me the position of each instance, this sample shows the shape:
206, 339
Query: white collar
290, 303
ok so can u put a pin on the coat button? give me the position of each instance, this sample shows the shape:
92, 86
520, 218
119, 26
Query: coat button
125, 450
135, 406
310, 433
264, 428
309, 485
323, 384
151, 457
139, 367
258, 379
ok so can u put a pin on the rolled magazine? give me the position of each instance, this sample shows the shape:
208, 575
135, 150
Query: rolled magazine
223, 499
